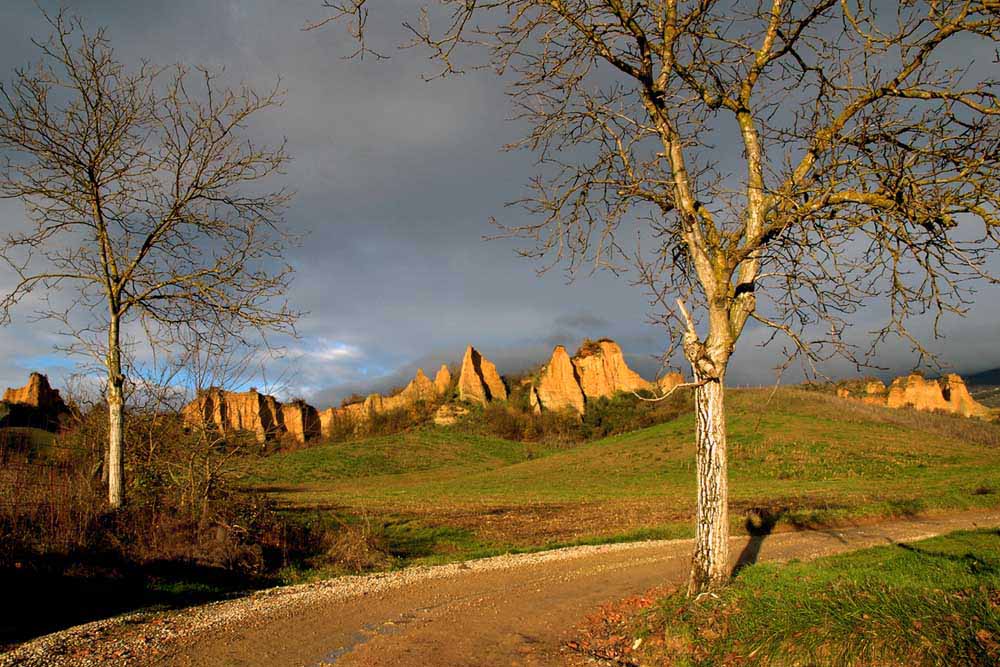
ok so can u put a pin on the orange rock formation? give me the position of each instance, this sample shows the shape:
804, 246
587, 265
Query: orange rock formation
598, 369
602, 370
40, 405
874, 387
948, 394
420, 388
442, 380
559, 385
479, 382
37, 394
328, 421
669, 381
301, 421
251, 411
534, 401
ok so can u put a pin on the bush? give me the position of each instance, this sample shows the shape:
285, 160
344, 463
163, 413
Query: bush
183, 505
515, 420
188, 532
388, 422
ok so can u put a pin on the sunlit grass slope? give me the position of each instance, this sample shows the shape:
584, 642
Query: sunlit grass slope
933, 602
423, 452
789, 447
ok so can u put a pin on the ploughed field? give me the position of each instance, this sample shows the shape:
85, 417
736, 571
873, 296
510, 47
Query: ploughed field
797, 458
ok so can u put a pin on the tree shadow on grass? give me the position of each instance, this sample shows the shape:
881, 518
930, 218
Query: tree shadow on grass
907, 508
759, 524
409, 539
972, 563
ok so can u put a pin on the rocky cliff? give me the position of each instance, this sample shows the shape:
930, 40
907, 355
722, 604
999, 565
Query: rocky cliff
35, 404
947, 394
602, 370
229, 411
301, 421
598, 369
558, 386
420, 388
478, 381
669, 381
442, 381
354, 415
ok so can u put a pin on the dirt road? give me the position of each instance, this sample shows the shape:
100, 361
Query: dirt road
510, 610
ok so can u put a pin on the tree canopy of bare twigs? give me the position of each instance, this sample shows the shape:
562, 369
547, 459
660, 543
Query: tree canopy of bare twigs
780, 161
147, 211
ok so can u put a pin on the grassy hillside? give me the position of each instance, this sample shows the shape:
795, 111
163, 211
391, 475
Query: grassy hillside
426, 450
932, 602
796, 458
25, 439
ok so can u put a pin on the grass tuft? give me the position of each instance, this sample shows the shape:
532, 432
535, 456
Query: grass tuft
933, 602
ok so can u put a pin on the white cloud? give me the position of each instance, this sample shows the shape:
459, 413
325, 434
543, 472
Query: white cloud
333, 351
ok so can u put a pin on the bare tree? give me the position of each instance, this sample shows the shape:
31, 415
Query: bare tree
197, 460
146, 213
863, 165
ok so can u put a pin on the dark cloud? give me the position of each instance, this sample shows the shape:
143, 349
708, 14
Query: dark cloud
396, 180
582, 321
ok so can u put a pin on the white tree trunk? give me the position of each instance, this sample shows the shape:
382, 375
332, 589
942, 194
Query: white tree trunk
116, 420
710, 565
116, 450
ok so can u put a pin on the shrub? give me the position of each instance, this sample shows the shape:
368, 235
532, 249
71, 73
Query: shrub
626, 412
352, 399
388, 422
183, 504
515, 420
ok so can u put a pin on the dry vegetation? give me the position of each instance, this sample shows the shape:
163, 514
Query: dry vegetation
186, 534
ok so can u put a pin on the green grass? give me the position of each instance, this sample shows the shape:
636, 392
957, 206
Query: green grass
933, 602
37, 441
807, 458
421, 451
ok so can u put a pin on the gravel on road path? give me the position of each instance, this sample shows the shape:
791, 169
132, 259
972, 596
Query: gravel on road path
507, 610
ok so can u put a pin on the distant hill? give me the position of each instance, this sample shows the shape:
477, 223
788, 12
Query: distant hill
985, 387
986, 378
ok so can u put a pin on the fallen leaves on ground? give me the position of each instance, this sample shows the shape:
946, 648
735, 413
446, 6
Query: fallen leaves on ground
614, 633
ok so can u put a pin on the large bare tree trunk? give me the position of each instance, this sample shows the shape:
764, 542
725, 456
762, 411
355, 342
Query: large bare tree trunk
710, 565
116, 420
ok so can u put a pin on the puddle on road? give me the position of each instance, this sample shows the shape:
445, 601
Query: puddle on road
369, 632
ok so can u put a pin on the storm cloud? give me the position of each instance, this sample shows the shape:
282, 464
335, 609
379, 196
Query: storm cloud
396, 180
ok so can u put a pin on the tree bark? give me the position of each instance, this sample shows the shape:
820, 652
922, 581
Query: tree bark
710, 565
116, 419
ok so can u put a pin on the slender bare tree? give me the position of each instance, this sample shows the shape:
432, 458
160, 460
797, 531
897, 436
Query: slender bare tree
147, 215
784, 162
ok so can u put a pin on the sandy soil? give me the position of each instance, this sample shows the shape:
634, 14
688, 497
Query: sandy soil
509, 610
